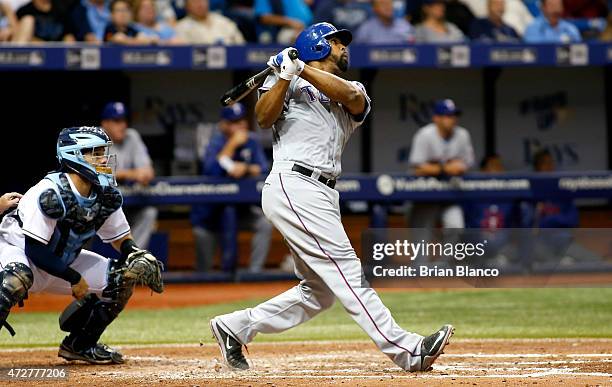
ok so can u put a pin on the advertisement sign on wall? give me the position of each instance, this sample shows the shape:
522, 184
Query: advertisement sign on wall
561, 110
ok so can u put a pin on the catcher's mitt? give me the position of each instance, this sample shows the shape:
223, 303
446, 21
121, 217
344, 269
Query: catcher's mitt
142, 267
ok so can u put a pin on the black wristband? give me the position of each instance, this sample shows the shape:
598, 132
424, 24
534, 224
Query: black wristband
127, 247
71, 276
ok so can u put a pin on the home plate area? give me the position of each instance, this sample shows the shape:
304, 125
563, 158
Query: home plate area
520, 362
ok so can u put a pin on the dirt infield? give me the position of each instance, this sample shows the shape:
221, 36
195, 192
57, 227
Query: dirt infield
466, 363
514, 362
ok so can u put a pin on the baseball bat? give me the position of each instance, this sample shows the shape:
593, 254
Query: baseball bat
245, 87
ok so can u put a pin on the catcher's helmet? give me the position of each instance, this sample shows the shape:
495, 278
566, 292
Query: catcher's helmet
312, 43
73, 143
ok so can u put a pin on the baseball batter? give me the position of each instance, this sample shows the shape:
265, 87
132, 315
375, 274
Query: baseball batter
313, 112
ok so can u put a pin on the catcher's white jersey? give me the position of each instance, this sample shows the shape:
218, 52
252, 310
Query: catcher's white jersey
35, 224
312, 130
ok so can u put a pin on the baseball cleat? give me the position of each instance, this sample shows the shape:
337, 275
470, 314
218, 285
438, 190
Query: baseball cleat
231, 349
99, 354
433, 345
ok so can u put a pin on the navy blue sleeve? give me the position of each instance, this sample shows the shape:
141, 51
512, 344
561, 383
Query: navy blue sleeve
471, 215
566, 218
131, 31
324, 11
109, 31
413, 9
80, 23
259, 156
527, 214
477, 30
27, 9
513, 33
45, 259
514, 216
210, 164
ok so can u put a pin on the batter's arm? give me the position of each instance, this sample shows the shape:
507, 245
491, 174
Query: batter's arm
270, 105
336, 89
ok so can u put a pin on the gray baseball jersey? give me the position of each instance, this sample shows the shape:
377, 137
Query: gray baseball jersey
313, 130
132, 152
429, 146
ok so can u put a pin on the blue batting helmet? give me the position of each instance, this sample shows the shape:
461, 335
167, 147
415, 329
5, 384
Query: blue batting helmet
73, 143
312, 43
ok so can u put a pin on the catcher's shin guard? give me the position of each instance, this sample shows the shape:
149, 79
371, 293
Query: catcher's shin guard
15, 280
87, 319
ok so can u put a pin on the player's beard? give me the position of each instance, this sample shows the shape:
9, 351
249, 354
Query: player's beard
342, 62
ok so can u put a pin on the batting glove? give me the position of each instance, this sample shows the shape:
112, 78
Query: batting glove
285, 67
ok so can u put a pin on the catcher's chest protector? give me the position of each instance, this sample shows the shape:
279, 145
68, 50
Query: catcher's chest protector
77, 217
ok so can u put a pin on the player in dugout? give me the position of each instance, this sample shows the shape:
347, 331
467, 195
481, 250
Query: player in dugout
233, 153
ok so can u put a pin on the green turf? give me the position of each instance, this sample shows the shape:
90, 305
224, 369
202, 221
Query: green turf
518, 313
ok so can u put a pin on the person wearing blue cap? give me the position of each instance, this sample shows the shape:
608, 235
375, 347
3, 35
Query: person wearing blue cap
134, 165
440, 149
232, 152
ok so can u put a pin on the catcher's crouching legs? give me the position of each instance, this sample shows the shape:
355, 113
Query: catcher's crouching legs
87, 319
15, 280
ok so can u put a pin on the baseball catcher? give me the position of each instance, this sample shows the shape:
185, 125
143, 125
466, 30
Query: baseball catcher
41, 245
